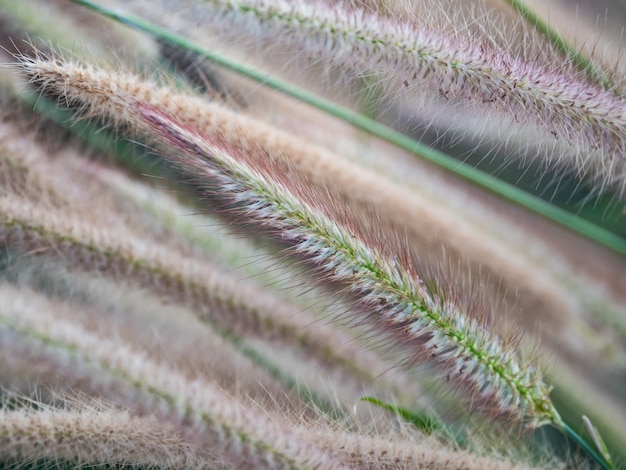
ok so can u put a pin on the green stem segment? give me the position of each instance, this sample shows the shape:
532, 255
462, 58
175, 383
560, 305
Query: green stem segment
574, 436
492, 184
581, 61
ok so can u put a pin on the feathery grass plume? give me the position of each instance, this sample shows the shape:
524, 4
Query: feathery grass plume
175, 337
425, 222
543, 299
215, 296
83, 238
398, 300
420, 318
235, 431
91, 436
407, 56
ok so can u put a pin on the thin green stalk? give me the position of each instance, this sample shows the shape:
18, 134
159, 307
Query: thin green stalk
574, 436
578, 58
425, 421
502, 189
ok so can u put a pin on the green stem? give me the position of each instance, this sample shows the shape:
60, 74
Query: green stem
581, 61
502, 189
574, 436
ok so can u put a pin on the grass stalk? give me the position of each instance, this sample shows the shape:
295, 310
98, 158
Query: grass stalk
576, 437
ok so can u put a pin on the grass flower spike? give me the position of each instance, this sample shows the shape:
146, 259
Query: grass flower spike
405, 57
90, 436
397, 301
312, 234
230, 426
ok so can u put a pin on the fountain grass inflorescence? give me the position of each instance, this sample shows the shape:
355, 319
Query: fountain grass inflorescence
393, 293
104, 298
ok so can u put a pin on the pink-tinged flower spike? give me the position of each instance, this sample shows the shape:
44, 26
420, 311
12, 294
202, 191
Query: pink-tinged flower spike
403, 56
399, 303
423, 323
